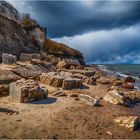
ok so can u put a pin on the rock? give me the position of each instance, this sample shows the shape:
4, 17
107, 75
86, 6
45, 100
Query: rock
36, 56
8, 58
133, 96
59, 93
32, 71
83, 72
89, 80
117, 97
127, 85
52, 79
67, 63
78, 75
26, 91
117, 82
89, 100
71, 83
4, 90
104, 80
129, 122
25, 57
129, 80
7, 77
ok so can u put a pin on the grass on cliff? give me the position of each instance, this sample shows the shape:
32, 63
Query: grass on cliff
53, 47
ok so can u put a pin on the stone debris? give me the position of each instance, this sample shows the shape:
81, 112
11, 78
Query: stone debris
129, 79
9, 58
71, 83
129, 122
67, 63
4, 90
117, 97
26, 91
89, 100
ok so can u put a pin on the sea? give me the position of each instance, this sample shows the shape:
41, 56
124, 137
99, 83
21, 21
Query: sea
124, 70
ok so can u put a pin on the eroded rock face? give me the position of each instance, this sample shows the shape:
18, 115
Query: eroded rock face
129, 122
25, 91
4, 90
89, 100
71, 83
89, 80
117, 97
9, 58
66, 63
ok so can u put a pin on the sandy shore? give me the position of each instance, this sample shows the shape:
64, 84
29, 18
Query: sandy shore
65, 117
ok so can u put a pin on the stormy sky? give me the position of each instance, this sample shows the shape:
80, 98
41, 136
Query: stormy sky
104, 31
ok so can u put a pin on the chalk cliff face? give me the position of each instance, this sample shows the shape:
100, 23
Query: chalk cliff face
21, 34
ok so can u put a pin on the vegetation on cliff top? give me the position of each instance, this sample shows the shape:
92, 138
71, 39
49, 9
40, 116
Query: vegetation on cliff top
53, 47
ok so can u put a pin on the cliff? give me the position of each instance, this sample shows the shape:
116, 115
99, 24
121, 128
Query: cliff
21, 34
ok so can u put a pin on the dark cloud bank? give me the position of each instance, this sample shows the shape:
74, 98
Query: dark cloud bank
105, 31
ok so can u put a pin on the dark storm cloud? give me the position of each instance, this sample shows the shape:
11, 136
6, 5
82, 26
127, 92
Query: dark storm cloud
68, 18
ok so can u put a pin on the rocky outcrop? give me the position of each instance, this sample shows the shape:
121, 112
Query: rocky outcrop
26, 91
129, 122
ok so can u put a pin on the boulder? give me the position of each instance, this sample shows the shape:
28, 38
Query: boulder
129, 79
127, 85
36, 56
129, 122
89, 80
25, 57
89, 100
7, 77
32, 71
71, 83
26, 91
104, 80
67, 63
117, 97
52, 79
8, 58
133, 96
4, 90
